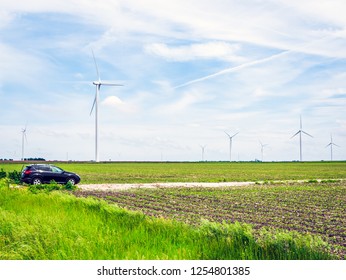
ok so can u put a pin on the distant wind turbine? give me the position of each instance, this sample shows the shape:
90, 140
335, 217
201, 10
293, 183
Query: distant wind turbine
230, 144
23, 136
262, 148
300, 138
98, 84
203, 149
331, 144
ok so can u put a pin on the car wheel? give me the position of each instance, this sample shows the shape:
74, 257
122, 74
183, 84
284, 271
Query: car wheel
36, 181
72, 181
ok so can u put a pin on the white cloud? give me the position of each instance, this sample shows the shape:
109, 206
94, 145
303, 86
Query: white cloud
117, 103
18, 66
211, 50
5, 18
113, 101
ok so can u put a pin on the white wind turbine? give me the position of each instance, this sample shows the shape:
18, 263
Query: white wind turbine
98, 84
230, 144
203, 149
331, 144
262, 148
300, 138
23, 136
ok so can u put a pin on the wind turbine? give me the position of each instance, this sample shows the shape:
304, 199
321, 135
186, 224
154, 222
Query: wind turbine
331, 144
230, 144
98, 85
262, 148
23, 136
203, 149
300, 138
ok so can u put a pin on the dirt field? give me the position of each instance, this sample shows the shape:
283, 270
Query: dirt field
116, 187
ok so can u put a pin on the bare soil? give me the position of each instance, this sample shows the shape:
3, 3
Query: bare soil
117, 187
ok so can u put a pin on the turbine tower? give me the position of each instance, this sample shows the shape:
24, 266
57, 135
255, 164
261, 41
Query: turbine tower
203, 149
262, 148
98, 85
230, 144
300, 138
331, 144
23, 136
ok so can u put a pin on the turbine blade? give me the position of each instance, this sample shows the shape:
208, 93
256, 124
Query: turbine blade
307, 134
295, 134
110, 84
234, 134
329, 145
97, 69
92, 108
227, 134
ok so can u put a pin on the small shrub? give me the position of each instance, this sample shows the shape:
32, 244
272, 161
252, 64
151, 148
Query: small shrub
70, 187
312, 181
2, 173
52, 186
14, 176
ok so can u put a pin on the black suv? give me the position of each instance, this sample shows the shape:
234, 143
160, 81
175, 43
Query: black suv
44, 173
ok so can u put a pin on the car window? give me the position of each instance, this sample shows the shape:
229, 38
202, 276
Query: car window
43, 168
56, 169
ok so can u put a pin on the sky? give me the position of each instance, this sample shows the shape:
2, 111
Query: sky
191, 69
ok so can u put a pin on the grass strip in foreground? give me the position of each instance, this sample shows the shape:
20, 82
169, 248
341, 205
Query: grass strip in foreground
58, 226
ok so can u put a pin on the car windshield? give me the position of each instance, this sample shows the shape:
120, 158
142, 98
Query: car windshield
56, 169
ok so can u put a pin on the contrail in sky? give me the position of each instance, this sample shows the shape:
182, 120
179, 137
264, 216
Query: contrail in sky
234, 69
255, 62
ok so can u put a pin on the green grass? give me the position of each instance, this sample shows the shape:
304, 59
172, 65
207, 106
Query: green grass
60, 226
150, 172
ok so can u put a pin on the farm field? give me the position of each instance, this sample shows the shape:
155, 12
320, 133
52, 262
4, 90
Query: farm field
275, 208
152, 172
314, 208
56, 225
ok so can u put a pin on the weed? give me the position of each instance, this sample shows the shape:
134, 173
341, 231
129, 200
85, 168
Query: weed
52, 186
14, 176
2, 173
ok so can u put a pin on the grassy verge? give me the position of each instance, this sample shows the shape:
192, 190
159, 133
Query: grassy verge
57, 225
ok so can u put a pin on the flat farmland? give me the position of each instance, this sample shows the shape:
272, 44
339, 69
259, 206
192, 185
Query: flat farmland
277, 202
308, 208
154, 172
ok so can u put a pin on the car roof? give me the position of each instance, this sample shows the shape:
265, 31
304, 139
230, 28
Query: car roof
38, 164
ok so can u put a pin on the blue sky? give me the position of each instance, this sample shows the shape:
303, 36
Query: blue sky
191, 70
